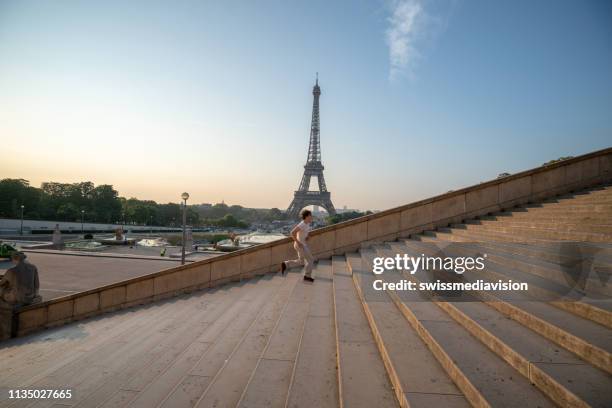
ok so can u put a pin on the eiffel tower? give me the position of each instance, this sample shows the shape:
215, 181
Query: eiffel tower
303, 196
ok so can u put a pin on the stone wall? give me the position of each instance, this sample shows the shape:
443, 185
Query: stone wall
529, 186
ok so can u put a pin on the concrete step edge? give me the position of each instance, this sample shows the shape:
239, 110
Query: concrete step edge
338, 367
400, 394
586, 351
344, 260
543, 381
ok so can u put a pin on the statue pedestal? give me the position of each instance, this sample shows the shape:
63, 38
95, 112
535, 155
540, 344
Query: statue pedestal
58, 242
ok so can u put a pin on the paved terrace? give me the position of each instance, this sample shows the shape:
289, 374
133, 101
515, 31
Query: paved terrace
61, 274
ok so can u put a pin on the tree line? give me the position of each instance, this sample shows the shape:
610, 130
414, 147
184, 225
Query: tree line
102, 203
334, 219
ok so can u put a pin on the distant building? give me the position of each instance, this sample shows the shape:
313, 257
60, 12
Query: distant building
344, 209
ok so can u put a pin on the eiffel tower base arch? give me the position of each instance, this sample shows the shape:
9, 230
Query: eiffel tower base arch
305, 198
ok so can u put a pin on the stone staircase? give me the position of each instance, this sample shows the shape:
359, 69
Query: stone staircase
276, 341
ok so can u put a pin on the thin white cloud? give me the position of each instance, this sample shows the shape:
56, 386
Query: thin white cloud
405, 24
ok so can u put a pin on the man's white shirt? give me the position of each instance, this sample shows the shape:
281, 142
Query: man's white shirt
303, 230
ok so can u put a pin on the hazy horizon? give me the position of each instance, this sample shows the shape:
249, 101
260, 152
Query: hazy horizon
418, 97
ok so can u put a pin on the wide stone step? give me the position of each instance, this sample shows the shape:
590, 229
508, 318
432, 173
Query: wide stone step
539, 224
581, 211
83, 364
596, 307
221, 310
590, 275
585, 199
524, 236
592, 198
589, 340
557, 213
484, 378
165, 330
582, 196
418, 378
589, 282
572, 299
552, 231
363, 380
180, 380
235, 358
603, 201
521, 216
315, 379
47, 349
568, 207
272, 378
459, 235
539, 233
602, 190
554, 251
561, 375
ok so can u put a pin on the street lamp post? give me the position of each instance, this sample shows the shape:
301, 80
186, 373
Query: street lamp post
82, 220
151, 224
184, 196
22, 207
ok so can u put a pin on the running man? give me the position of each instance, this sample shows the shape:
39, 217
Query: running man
300, 237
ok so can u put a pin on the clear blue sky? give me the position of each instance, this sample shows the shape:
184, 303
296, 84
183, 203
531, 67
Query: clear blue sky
419, 97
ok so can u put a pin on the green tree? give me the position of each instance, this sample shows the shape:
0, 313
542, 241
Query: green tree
17, 192
105, 204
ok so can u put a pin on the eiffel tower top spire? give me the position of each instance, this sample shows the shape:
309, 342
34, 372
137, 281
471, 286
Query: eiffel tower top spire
314, 147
